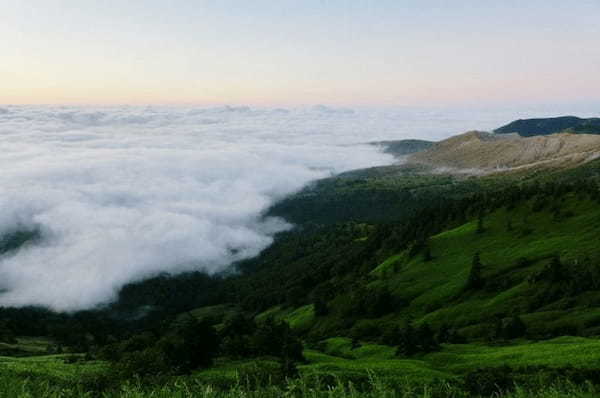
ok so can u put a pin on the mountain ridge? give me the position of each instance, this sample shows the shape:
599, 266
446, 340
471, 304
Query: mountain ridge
488, 153
552, 125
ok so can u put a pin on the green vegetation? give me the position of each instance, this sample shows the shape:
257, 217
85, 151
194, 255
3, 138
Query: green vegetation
396, 283
546, 126
367, 370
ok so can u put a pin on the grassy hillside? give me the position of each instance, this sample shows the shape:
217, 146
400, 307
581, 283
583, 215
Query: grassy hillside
515, 244
375, 276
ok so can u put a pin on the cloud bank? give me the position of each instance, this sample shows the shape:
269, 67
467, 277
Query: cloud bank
120, 194
123, 193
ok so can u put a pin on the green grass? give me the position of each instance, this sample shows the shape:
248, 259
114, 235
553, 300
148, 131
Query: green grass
415, 371
54, 366
299, 319
364, 365
435, 289
339, 359
11, 387
26, 346
342, 347
578, 352
214, 314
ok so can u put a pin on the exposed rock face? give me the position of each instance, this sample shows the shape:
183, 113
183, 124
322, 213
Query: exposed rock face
480, 152
546, 126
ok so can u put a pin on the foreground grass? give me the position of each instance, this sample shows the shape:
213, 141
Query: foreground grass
15, 387
338, 369
54, 367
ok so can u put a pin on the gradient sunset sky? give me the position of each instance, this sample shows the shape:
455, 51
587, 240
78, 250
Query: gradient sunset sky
284, 52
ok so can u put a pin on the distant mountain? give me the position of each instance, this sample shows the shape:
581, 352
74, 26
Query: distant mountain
485, 153
546, 126
403, 147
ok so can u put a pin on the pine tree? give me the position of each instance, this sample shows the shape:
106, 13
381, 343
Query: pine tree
555, 269
425, 339
509, 225
480, 227
498, 332
475, 280
443, 334
427, 254
514, 328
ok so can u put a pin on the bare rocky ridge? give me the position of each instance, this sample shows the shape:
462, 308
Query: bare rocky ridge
485, 153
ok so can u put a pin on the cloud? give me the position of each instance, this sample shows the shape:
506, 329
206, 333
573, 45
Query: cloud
327, 109
120, 194
123, 193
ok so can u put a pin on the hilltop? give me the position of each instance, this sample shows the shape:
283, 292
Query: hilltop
546, 126
484, 153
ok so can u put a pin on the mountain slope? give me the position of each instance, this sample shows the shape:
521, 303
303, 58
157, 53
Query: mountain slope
484, 153
546, 126
517, 245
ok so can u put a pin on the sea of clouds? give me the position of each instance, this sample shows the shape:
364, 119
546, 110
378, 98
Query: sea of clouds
123, 193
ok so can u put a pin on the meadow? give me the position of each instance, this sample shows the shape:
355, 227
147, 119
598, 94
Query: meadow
369, 370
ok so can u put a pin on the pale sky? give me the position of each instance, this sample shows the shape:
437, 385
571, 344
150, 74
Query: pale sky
285, 52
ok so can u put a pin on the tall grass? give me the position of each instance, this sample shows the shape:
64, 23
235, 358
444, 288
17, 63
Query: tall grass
21, 386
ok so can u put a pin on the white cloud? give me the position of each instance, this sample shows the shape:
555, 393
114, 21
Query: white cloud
122, 193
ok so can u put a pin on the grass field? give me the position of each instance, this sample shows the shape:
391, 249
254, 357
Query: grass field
373, 373
25, 346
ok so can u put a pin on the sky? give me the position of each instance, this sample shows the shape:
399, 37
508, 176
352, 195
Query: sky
286, 52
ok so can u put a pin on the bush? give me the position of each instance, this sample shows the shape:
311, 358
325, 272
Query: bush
144, 363
489, 381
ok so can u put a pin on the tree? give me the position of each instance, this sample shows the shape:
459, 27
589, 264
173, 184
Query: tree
514, 328
427, 256
497, 333
236, 335
377, 302
509, 225
475, 280
148, 362
443, 334
189, 345
238, 324
480, 227
6, 333
276, 338
295, 296
320, 297
425, 338
556, 271
321, 307
407, 345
